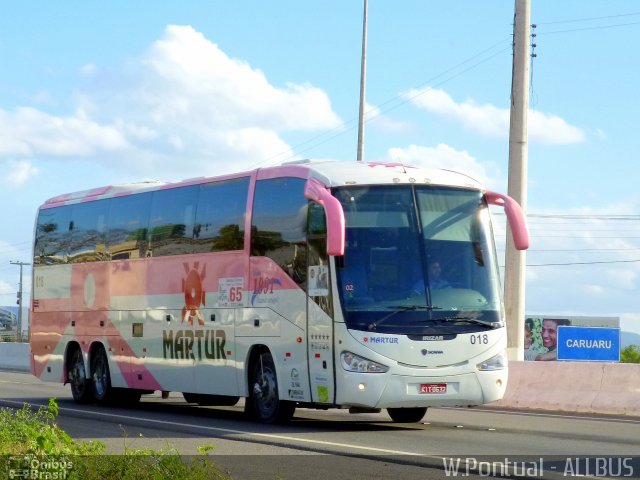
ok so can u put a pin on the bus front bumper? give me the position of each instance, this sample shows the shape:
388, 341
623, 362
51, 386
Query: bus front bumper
403, 391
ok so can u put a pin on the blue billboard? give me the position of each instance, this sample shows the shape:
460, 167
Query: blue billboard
595, 344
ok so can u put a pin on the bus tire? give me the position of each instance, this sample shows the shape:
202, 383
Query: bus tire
264, 401
81, 389
100, 376
407, 415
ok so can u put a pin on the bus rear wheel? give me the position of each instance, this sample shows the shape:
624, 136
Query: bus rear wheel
80, 385
100, 376
407, 415
264, 401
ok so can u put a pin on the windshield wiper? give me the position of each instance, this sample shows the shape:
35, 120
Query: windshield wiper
397, 309
474, 321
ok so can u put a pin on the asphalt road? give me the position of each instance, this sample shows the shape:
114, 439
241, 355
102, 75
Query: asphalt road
335, 444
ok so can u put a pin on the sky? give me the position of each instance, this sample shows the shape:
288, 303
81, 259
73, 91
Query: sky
102, 93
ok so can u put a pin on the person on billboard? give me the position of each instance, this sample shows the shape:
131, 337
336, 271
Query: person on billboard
529, 352
550, 338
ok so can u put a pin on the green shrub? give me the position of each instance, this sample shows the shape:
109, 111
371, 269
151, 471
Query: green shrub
33, 442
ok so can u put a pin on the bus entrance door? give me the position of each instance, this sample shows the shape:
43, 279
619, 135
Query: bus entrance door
320, 336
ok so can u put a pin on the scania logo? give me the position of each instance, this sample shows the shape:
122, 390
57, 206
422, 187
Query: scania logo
426, 352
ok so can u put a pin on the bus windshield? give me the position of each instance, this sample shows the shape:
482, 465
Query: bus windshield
417, 260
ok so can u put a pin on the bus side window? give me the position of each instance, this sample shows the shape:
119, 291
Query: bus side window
220, 215
128, 226
171, 222
52, 236
88, 231
279, 225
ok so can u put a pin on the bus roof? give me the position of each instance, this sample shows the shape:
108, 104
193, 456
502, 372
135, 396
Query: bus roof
331, 173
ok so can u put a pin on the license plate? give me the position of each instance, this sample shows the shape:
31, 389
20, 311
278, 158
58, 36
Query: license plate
433, 388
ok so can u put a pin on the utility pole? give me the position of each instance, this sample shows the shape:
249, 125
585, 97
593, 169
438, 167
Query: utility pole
515, 260
19, 332
363, 74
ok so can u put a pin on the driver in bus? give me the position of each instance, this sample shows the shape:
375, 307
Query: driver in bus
436, 282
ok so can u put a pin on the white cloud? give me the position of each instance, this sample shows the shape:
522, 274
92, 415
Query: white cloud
624, 278
442, 156
6, 288
376, 119
88, 69
20, 172
531, 274
29, 132
630, 322
490, 120
190, 78
183, 106
597, 290
590, 266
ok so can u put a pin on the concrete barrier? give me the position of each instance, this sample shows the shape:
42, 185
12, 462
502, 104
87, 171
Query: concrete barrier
15, 356
582, 387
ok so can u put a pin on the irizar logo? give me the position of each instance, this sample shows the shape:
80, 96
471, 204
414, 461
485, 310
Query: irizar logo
193, 293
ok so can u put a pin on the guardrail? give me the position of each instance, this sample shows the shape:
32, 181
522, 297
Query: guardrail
15, 356
582, 387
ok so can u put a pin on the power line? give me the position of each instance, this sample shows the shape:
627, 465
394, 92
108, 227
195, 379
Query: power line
542, 229
590, 19
582, 263
398, 101
397, 104
588, 216
584, 250
601, 27
586, 237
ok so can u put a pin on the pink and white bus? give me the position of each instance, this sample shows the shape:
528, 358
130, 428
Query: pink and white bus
312, 284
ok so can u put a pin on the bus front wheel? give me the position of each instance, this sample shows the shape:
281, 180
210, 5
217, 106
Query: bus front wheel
80, 384
265, 403
407, 415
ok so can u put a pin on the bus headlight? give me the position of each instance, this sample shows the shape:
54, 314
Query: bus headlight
497, 362
355, 363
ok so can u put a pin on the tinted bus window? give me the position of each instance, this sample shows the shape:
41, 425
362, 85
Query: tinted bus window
279, 223
128, 223
52, 236
220, 216
88, 231
172, 219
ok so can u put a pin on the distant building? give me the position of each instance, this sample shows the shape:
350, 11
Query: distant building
7, 318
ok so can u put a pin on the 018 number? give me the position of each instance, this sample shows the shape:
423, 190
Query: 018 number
480, 339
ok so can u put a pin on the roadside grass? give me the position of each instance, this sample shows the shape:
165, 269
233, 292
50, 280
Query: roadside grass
31, 443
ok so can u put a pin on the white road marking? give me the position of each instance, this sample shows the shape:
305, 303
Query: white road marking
238, 432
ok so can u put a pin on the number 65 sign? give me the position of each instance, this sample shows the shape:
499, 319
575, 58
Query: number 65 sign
230, 292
